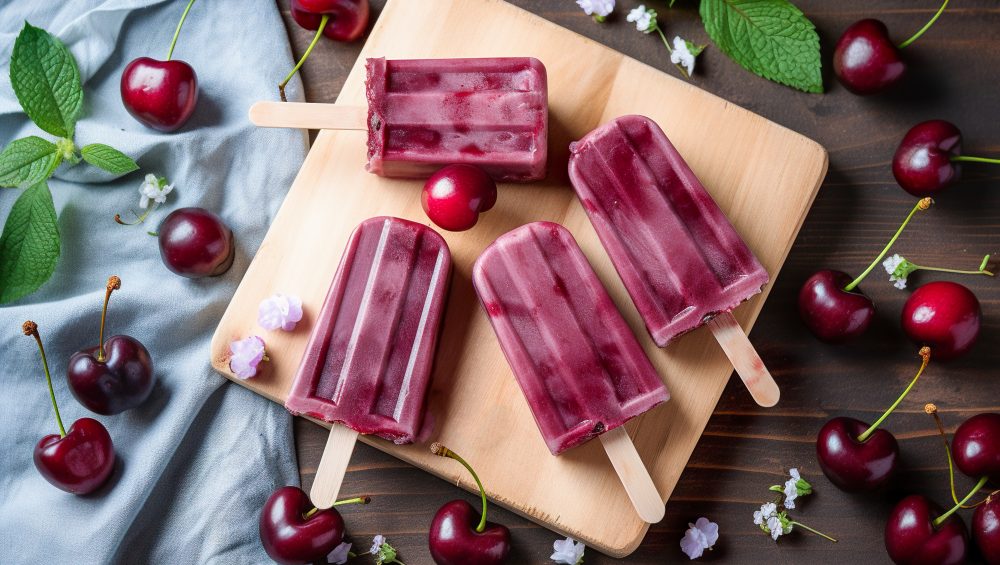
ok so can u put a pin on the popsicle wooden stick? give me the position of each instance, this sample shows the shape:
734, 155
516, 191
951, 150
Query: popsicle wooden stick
633, 474
333, 466
748, 364
308, 116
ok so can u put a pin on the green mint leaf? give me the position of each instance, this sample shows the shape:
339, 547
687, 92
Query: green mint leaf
27, 161
108, 158
770, 38
46, 81
29, 246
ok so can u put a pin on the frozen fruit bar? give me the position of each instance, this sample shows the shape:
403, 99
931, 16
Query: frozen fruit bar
580, 367
368, 361
427, 113
679, 257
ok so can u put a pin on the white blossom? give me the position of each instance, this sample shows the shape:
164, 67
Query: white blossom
247, 354
153, 188
682, 55
280, 311
567, 551
700, 536
643, 18
598, 8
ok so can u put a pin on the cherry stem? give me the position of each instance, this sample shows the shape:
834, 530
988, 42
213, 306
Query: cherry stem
442, 451
817, 532
940, 519
968, 159
922, 204
178, 31
358, 500
31, 328
925, 354
114, 283
138, 219
315, 40
926, 27
981, 271
931, 409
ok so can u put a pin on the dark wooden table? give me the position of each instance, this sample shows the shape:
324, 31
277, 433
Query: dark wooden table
955, 73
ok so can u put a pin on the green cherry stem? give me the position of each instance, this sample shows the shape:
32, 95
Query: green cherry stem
807, 528
31, 328
442, 451
922, 204
315, 40
940, 519
356, 500
925, 355
114, 283
177, 32
969, 159
926, 27
931, 409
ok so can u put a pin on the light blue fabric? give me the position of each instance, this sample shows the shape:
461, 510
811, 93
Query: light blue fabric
199, 458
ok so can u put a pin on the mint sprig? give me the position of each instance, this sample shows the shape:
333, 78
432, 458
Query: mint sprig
47, 83
29, 246
770, 38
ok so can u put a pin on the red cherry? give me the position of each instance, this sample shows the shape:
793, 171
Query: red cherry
454, 540
831, 313
854, 465
292, 538
912, 539
347, 18
943, 315
455, 195
865, 60
159, 94
975, 446
923, 163
986, 528
79, 462
195, 243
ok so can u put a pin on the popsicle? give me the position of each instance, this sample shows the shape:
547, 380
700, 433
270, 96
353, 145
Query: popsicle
581, 369
367, 365
680, 259
423, 114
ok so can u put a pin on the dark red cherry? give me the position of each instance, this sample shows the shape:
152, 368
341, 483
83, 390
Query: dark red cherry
159, 94
453, 538
120, 380
986, 528
347, 18
912, 539
944, 316
853, 465
923, 163
831, 313
195, 243
865, 60
975, 446
454, 196
292, 538
81, 461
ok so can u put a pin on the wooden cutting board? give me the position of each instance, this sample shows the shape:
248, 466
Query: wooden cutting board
762, 175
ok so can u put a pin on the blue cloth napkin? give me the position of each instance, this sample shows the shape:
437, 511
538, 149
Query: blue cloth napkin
198, 459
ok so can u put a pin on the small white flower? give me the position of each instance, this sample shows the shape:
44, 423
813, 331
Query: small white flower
280, 311
775, 527
339, 554
682, 55
700, 536
598, 8
247, 354
377, 542
153, 188
644, 20
766, 511
891, 266
568, 551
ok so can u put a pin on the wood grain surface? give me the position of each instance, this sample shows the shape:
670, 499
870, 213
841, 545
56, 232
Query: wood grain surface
954, 71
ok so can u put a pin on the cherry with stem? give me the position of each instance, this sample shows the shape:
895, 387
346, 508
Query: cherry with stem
857, 457
928, 159
79, 460
830, 303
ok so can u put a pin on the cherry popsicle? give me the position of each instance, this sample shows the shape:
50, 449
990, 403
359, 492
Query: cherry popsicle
423, 114
367, 366
581, 369
680, 259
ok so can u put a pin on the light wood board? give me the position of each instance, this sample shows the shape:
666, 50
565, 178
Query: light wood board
762, 175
